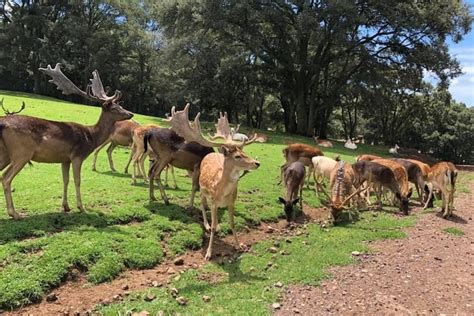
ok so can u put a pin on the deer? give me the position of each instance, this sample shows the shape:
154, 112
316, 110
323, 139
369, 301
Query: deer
299, 152
219, 173
402, 178
349, 144
322, 167
122, 135
415, 176
442, 176
342, 180
24, 138
8, 112
394, 150
294, 181
322, 142
367, 157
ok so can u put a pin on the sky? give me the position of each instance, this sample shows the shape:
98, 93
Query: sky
462, 87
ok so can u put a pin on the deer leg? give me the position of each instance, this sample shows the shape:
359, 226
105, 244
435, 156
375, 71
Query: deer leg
445, 204
151, 175
109, 155
231, 209
7, 179
430, 195
141, 166
204, 207
65, 166
310, 171
161, 165
195, 185
132, 152
76, 171
213, 231
301, 198
174, 178
96, 153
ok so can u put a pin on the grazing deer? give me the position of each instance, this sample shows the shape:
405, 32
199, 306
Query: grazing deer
402, 178
442, 176
323, 142
24, 138
220, 172
415, 176
294, 182
122, 135
299, 152
342, 188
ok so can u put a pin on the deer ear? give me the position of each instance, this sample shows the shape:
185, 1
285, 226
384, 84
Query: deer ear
106, 105
282, 200
225, 151
296, 201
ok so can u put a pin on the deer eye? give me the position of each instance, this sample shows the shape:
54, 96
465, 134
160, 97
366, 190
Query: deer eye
238, 157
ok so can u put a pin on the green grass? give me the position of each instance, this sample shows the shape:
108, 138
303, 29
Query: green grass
453, 231
123, 230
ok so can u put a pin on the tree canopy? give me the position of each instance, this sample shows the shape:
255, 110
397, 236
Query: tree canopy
333, 68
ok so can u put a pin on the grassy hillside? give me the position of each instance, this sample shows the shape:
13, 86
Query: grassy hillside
122, 229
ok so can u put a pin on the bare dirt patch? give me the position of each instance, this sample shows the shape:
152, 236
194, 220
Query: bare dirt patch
429, 272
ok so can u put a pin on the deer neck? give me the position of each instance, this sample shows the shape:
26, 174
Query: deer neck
101, 131
230, 177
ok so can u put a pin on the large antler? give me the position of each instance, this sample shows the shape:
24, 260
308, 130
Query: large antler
94, 91
191, 131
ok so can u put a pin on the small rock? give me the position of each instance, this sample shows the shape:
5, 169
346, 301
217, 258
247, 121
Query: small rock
150, 297
278, 284
181, 300
438, 258
288, 240
355, 253
174, 292
283, 253
117, 297
170, 270
296, 311
156, 284
53, 297
269, 230
276, 243
269, 264
273, 249
206, 298
276, 305
179, 261
125, 287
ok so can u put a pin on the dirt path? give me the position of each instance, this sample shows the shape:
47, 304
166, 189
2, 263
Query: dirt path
429, 272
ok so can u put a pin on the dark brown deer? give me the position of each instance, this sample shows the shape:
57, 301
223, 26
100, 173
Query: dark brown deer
24, 138
294, 182
299, 152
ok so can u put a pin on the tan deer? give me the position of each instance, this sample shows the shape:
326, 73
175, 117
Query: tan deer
122, 135
24, 138
219, 172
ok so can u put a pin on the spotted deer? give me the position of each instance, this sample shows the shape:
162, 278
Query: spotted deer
24, 138
219, 173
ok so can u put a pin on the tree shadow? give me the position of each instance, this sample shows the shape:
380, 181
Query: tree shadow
38, 225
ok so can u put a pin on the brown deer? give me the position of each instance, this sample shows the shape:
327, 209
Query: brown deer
415, 176
367, 157
300, 152
24, 138
442, 176
323, 142
294, 182
219, 173
401, 176
122, 135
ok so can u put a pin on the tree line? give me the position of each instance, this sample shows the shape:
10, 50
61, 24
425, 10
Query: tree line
332, 68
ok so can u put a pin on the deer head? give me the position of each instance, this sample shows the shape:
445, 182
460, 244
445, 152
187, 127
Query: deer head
94, 92
232, 150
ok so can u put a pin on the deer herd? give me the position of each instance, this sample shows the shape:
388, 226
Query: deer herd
215, 174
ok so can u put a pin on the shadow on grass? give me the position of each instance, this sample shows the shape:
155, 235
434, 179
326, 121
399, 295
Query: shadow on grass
38, 225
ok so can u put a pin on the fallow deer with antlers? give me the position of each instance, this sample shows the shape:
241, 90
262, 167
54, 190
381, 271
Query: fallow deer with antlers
24, 138
219, 173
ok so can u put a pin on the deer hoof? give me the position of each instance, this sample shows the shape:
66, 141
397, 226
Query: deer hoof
15, 215
208, 255
81, 208
66, 208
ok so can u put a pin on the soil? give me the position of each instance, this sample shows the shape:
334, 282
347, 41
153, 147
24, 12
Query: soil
429, 272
